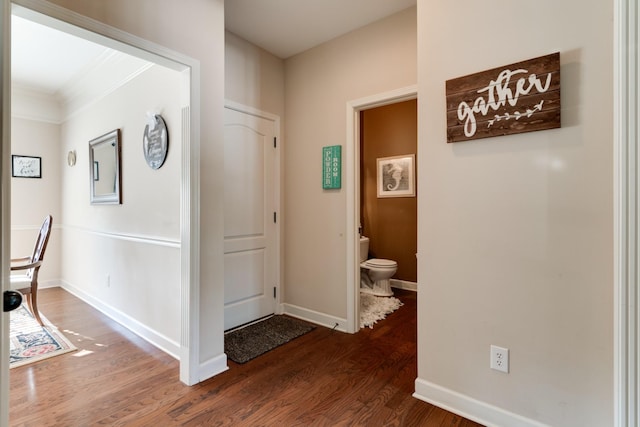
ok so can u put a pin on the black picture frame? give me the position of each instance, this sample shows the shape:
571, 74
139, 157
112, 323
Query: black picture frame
26, 166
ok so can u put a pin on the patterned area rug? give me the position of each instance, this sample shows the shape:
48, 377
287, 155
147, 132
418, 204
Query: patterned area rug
249, 342
373, 308
30, 342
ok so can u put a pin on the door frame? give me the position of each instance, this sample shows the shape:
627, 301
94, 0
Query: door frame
626, 138
352, 176
82, 26
5, 198
245, 109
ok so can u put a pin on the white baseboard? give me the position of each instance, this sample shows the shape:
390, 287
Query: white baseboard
470, 408
315, 317
143, 331
48, 284
213, 367
403, 284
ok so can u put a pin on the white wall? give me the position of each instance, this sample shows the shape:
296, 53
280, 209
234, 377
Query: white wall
194, 28
150, 198
515, 233
127, 257
319, 82
253, 76
32, 198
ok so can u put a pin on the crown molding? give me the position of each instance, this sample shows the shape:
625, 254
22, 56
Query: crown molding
109, 72
32, 104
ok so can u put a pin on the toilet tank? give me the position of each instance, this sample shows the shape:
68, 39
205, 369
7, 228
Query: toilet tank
364, 248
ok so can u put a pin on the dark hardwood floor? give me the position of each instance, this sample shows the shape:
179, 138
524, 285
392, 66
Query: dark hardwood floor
324, 378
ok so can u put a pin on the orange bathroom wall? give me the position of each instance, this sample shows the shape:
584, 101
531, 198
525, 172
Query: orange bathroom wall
390, 223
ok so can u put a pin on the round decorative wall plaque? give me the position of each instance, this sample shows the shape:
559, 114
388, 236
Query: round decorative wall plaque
155, 142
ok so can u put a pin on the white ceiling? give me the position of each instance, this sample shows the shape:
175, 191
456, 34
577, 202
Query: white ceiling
288, 27
47, 60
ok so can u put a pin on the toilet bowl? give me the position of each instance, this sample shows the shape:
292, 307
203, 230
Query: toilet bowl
375, 273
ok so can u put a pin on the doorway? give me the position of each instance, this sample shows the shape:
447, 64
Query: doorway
251, 226
352, 185
187, 258
389, 218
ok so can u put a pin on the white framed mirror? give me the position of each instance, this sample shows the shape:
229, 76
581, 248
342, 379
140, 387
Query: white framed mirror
104, 169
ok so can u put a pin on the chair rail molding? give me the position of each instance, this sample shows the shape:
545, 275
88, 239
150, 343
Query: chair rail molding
138, 238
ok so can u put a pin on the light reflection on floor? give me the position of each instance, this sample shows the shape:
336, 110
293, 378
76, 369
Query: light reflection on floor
82, 341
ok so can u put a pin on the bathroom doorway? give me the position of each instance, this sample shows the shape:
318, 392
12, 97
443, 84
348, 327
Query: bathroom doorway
353, 187
390, 220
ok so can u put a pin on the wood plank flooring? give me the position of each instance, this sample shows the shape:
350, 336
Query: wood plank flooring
324, 378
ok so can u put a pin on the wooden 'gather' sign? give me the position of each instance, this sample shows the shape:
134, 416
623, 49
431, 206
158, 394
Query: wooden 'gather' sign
516, 98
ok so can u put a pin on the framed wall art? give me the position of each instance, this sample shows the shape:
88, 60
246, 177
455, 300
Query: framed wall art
396, 176
26, 166
331, 167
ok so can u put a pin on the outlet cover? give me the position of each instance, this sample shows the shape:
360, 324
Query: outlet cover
500, 359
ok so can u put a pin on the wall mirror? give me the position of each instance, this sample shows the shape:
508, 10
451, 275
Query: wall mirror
104, 169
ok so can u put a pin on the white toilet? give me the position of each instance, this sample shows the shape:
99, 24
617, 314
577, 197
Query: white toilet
375, 274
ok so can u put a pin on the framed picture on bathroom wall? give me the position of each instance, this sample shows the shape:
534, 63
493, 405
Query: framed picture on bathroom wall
396, 176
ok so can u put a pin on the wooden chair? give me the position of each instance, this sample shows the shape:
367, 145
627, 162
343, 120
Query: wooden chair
27, 282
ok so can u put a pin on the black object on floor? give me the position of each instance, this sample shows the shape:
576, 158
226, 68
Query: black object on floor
249, 342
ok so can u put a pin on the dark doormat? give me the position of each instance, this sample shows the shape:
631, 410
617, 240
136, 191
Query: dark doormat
242, 345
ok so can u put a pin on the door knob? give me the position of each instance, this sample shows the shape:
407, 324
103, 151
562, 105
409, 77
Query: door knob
11, 300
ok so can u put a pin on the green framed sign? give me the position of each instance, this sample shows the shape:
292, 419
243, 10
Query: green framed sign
331, 167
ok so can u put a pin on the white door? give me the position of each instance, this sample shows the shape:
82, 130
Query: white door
250, 215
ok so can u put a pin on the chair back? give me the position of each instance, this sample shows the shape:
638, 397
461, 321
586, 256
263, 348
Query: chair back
41, 242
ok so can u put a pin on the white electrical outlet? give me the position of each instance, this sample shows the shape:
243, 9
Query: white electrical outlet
108, 280
500, 359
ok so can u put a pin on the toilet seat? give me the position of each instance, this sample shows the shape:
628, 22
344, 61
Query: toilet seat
380, 263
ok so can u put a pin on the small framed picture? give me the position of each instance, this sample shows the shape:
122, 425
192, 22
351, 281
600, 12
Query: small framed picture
396, 176
26, 166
